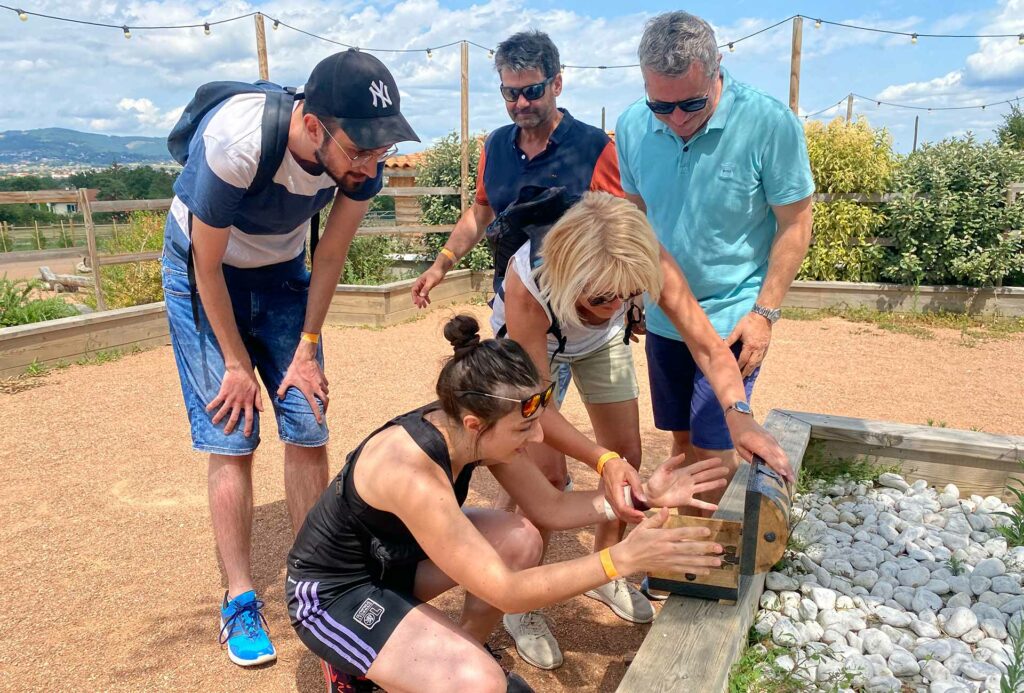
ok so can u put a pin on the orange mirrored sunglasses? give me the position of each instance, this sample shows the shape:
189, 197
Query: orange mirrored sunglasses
527, 407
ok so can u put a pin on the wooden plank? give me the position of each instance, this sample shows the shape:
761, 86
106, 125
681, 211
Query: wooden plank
125, 258
410, 228
131, 205
417, 191
866, 198
37, 196
694, 642
1005, 301
84, 206
914, 438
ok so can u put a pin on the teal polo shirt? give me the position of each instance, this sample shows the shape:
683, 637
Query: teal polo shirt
709, 199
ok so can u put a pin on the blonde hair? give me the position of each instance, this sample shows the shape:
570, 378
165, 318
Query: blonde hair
602, 245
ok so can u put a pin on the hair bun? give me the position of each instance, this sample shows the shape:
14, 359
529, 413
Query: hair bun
463, 333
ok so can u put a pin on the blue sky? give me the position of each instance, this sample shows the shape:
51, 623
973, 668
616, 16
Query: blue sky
90, 78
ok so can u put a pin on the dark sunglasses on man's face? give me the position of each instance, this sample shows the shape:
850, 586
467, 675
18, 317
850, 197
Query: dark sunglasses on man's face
527, 407
687, 106
532, 92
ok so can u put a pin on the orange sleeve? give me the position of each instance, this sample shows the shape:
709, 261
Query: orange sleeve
481, 194
606, 172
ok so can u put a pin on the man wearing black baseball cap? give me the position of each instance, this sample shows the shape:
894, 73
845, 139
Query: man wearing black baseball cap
239, 298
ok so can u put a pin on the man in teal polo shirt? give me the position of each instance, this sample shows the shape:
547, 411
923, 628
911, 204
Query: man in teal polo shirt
722, 172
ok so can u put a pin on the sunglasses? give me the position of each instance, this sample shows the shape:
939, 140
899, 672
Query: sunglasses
687, 106
376, 155
532, 92
528, 407
596, 301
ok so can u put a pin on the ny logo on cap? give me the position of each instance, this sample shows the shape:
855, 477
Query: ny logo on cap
379, 89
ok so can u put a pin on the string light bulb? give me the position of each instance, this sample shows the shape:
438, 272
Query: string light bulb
490, 54
732, 48
913, 38
277, 23
817, 23
22, 15
206, 28
1020, 39
430, 54
127, 31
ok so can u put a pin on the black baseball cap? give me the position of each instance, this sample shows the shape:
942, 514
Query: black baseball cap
356, 89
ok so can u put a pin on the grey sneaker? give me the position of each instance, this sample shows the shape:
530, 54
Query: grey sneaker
534, 641
625, 600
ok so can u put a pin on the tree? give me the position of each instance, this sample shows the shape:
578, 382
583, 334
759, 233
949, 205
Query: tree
1011, 132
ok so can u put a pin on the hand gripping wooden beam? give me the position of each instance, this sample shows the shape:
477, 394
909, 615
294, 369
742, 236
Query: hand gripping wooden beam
752, 545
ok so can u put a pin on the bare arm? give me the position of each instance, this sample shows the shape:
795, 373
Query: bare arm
239, 392
468, 231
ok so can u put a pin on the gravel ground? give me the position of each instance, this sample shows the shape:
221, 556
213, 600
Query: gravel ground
109, 571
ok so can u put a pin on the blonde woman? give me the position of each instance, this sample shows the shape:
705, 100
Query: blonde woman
595, 262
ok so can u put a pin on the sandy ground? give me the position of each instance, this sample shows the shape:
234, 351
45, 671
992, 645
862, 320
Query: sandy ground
108, 571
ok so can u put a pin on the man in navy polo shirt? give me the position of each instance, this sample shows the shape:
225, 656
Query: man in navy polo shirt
259, 309
544, 146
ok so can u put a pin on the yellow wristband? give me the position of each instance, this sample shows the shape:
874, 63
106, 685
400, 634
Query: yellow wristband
310, 337
603, 460
607, 564
449, 254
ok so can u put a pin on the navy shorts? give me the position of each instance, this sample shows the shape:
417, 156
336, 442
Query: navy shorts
269, 305
682, 396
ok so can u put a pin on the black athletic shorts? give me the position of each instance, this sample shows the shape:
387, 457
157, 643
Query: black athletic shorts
343, 625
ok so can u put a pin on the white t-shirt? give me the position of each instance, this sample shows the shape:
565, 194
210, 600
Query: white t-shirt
580, 341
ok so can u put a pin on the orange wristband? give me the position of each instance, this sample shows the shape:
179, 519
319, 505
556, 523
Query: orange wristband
450, 255
606, 562
310, 337
603, 460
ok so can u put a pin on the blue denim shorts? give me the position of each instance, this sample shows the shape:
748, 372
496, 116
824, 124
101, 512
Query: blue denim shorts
682, 396
269, 304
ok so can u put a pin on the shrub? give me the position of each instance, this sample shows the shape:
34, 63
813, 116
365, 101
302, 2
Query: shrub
1011, 132
135, 283
846, 158
951, 225
19, 307
442, 166
367, 262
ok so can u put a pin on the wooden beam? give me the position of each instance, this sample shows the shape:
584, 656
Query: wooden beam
261, 46
131, 205
90, 240
125, 258
42, 196
464, 122
910, 438
794, 65
416, 192
421, 228
867, 198
694, 642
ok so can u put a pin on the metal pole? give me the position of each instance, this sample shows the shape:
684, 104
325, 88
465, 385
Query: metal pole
261, 46
794, 65
464, 196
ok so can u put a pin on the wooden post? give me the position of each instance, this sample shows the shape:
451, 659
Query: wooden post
261, 46
71, 223
90, 237
464, 184
3, 235
39, 239
794, 65
602, 120
916, 120
113, 221
849, 108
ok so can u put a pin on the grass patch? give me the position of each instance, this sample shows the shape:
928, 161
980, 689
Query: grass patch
756, 670
1013, 530
21, 304
972, 328
819, 466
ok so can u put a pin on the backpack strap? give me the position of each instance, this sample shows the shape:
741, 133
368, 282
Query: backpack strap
277, 117
190, 267
314, 233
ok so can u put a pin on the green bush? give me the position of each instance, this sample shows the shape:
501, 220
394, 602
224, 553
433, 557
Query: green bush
846, 158
952, 224
442, 167
135, 283
367, 262
19, 307
1011, 132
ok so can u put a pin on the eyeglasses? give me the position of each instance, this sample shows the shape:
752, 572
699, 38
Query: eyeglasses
528, 407
532, 92
687, 106
378, 155
596, 301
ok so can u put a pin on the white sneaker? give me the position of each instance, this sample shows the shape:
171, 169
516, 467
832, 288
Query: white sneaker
534, 641
625, 600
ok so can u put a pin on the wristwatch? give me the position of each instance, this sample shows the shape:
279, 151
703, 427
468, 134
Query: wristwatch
770, 314
740, 406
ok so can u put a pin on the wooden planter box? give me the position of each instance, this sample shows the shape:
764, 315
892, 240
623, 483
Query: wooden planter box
389, 304
694, 643
1006, 301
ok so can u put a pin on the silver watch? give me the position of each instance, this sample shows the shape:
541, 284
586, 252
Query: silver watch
770, 314
740, 406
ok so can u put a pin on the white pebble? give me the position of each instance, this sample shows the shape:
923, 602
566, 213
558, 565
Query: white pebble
958, 621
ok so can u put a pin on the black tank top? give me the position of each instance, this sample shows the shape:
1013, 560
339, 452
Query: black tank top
346, 540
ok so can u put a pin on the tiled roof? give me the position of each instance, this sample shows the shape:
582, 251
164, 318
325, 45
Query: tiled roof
404, 161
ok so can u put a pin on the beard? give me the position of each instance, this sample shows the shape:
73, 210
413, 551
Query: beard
531, 117
349, 181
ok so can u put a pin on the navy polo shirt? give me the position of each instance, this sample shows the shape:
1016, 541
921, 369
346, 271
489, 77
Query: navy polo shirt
578, 156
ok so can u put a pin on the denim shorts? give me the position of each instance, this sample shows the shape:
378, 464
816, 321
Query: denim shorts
269, 305
682, 396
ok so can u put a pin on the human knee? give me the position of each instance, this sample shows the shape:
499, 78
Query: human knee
480, 676
523, 546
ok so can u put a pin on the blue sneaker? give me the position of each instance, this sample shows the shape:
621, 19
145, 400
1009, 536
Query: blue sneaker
243, 628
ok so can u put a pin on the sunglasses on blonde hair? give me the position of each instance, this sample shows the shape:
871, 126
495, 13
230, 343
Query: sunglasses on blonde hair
527, 407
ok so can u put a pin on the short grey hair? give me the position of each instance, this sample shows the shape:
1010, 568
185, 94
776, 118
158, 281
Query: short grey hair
673, 41
528, 50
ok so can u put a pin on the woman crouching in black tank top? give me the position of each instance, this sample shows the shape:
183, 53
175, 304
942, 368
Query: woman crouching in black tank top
389, 533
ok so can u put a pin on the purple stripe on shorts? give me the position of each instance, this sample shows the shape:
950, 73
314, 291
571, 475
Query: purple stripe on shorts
327, 617
312, 618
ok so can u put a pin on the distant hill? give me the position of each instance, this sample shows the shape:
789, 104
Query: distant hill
59, 146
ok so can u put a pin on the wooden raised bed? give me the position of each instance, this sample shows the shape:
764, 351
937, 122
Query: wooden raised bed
694, 642
389, 304
1006, 301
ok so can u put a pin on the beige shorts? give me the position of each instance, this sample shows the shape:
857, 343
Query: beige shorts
603, 376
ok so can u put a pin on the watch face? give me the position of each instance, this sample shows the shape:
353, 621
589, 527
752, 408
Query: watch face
742, 407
